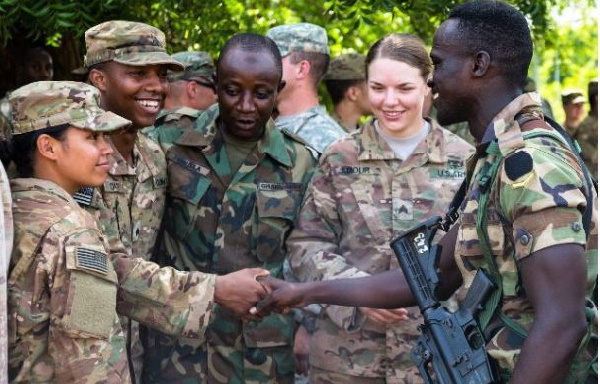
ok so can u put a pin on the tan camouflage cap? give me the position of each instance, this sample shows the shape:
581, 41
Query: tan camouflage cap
572, 96
350, 66
302, 37
127, 42
46, 104
197, 64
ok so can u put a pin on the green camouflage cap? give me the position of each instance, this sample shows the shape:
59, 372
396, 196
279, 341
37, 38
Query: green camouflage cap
350, 66
197, 64
127, 42
46, 104
302, 37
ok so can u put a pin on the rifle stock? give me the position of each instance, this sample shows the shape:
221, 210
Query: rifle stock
451, 348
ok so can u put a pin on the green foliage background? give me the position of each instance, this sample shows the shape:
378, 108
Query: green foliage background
565, 56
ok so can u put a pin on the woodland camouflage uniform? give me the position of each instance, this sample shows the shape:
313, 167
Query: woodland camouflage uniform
536, 201
220, 220
65, 285
361, 197
170, 124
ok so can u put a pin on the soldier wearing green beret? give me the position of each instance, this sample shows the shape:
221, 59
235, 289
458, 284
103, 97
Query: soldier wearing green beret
346, 83
191, 92
305, 58
66, 283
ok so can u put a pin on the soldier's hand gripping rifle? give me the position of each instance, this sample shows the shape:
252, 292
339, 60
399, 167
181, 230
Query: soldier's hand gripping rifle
452, 347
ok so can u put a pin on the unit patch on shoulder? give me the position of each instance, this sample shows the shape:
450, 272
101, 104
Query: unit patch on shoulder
517, 165
84, 196
92, 260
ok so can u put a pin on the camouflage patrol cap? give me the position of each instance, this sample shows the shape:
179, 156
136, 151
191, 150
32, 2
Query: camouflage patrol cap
350, 66
572, 96
197, 64
46, 104
127, 42
302, 37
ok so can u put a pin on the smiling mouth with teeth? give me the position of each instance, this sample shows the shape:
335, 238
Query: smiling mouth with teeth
150, 104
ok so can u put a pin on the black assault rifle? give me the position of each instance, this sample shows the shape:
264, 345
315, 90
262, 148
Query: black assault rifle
451, 349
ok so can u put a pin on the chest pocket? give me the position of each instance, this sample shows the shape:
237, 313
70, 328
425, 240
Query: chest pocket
277, 207
187, 186
92, 292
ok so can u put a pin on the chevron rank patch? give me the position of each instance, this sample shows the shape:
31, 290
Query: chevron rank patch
92, 260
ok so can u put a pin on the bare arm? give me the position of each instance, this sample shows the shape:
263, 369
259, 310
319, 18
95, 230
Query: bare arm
384, 290
554, 279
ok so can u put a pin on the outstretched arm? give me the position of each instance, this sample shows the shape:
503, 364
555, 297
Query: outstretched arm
385, 290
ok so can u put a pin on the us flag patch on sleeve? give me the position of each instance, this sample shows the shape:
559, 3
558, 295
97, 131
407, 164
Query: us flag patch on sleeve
83, 197
92, 260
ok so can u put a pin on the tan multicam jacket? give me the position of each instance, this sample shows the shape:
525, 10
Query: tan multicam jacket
6, 242
130, 206
65, 290
361, 198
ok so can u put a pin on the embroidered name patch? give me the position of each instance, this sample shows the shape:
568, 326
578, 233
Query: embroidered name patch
92, 260
160, 182
263, 186
113, 186
190, 165
350, 170
446, 174
84, 196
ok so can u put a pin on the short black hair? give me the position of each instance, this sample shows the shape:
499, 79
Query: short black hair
499, 29
319, 62
337, 88
21, 148
252, 42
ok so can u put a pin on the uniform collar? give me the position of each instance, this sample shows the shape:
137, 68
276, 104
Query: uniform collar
33, 184
207, 137
371, 146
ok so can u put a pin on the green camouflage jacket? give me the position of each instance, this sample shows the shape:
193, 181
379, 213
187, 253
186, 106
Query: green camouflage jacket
219, 221
314, 126
526, 213
361, 198
170, 124
65, 290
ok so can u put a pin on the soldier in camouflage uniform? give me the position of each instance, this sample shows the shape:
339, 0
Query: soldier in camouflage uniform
6, 242
305, 57
346, 83
536, 213
190, 92
64, 282
128, 63
365, 193
573, 103
235, 187
587, 132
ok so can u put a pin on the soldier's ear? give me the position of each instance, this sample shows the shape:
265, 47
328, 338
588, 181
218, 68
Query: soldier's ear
98, 79
481, 63
46, 146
